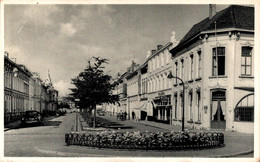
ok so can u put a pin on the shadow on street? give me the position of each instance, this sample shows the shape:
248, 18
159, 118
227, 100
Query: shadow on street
101, 122
46, 122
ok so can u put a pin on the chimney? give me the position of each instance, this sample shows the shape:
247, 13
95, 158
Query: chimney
212, 10
173, 39
159, 47
148, 54
7, 54
153, 51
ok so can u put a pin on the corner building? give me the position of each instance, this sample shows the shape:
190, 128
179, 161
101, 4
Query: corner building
215, 59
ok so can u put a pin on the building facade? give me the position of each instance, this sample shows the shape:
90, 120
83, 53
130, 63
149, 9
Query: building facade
133, 88
24, 90
215, 61
16, 90
158, 86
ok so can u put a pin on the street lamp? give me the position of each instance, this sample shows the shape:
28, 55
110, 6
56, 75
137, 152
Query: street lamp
170, 76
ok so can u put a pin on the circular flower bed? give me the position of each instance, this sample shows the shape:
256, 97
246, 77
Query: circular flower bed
146, 140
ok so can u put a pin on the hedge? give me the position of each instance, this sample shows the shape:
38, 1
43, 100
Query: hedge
146, 140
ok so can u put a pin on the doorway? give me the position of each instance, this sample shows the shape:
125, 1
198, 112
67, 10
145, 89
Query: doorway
218, 109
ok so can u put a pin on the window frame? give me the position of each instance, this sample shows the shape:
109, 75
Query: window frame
217, 53
246, 65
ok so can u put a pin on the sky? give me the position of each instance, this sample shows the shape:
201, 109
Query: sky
61, 38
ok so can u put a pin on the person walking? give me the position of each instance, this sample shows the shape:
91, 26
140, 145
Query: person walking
133, 115
125, 114
136, 118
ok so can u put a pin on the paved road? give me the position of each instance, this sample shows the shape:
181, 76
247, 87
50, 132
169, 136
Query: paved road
48, 140
23, 141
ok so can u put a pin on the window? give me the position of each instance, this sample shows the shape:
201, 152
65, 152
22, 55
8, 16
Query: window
162, 59
191, 66
244, 110
159, 85
163, 83
175, 106
218, 61
157, 62
181, 106
199, 64
182, 69
190, 104
176, 72
198, 105
246, 61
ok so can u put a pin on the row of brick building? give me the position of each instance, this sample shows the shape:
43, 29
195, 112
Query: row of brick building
215, 61
25, 90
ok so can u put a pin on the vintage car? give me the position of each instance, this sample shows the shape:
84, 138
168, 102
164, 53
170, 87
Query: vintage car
31, 116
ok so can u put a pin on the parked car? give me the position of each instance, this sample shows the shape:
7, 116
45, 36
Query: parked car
31, 116
101, 113
61, 112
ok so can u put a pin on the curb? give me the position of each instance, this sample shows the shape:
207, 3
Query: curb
71, 154
234, 155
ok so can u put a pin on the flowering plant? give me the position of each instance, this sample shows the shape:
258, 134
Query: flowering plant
146, 140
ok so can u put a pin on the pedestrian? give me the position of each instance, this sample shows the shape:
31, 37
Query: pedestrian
125, 114
121, 115
136, 119
133, 115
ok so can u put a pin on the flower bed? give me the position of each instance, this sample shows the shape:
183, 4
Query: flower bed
146, 140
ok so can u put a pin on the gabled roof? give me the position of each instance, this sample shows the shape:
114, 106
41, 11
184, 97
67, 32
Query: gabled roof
232, 17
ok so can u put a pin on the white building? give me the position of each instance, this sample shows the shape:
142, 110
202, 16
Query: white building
215, 61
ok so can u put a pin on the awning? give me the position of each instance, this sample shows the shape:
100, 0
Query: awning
250, 89
141, 106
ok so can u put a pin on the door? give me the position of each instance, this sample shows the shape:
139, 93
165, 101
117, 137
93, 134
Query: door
218, 109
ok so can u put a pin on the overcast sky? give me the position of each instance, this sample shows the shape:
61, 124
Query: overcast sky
62, 38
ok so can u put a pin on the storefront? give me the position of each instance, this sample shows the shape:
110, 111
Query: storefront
163, 108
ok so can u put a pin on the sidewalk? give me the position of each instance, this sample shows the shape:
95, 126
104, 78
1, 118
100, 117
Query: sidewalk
12, 125
236, 144
16, 124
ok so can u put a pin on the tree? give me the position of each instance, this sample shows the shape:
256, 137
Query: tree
93, 87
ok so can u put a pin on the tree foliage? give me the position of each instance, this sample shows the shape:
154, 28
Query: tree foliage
92, 86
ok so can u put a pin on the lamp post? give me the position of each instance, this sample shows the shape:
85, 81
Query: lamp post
170, 76
15, 73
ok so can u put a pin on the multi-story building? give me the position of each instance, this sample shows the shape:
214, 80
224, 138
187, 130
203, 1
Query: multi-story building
215, 61
133, 86
121, 92
24, 91
16, 89
159, 87
38, 99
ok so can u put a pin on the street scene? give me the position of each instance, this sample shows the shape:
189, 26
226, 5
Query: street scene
47, 140
108, 80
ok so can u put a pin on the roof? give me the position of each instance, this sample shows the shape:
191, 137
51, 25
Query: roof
19, 67
232, 17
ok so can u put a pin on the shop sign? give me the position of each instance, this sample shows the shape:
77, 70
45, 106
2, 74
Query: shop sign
164, 99
161, 93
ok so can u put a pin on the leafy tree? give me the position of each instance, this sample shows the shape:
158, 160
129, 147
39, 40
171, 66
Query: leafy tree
93, 87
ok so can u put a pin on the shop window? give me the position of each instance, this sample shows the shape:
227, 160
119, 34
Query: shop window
246, 61
218, 61
244, 110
